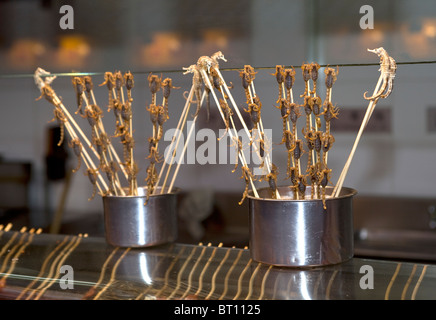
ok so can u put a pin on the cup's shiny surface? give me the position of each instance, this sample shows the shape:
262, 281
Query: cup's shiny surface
288, 232
129, 222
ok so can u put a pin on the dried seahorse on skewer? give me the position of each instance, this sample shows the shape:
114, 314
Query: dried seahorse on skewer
388, 68
289, 75
280, 78
93, 114
109, 81
238, 146
314, 67
330, 79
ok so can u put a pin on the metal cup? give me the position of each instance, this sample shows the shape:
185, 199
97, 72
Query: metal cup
129, 222
286, 232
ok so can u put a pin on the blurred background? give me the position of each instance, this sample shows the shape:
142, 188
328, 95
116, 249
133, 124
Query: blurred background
395, 158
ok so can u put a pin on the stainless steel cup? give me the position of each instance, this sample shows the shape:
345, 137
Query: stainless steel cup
286, 232
131, 223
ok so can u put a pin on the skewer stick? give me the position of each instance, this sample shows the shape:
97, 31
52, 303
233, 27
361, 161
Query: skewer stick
369, 110
180, 125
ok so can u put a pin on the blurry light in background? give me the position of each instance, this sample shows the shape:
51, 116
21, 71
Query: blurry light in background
25, 53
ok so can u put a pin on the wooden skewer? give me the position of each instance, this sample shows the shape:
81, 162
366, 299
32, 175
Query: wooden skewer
369, 110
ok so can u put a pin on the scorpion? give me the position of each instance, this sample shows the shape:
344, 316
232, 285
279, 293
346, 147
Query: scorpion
327, 142
119, 82
388, 68
60, 116
306, 70
130, 83
101, 144
314, 67
197, 84
150, 179
308, 107
329, 112
167, 85
93, 113
310, 138
330, 78
289, 75
302, 184
324, 179
293, 174
280, 77
254, 111
76, 145
272, 180
288, 140
247, 176
161, 119
238, 145
109, 81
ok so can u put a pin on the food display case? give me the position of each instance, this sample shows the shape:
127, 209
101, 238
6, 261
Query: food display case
192, 150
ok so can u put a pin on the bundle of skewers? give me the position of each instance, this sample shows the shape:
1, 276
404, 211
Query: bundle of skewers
97, 152
316, 138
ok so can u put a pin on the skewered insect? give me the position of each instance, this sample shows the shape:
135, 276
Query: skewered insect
92, 175
109, 81
76, 145
280, 78
272, 180
247, 176
79, 87
228, 113
154, 83
314, 67
119, 82
289, 80
89, 86
60, 116
284, 111
197, 84
306, 70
